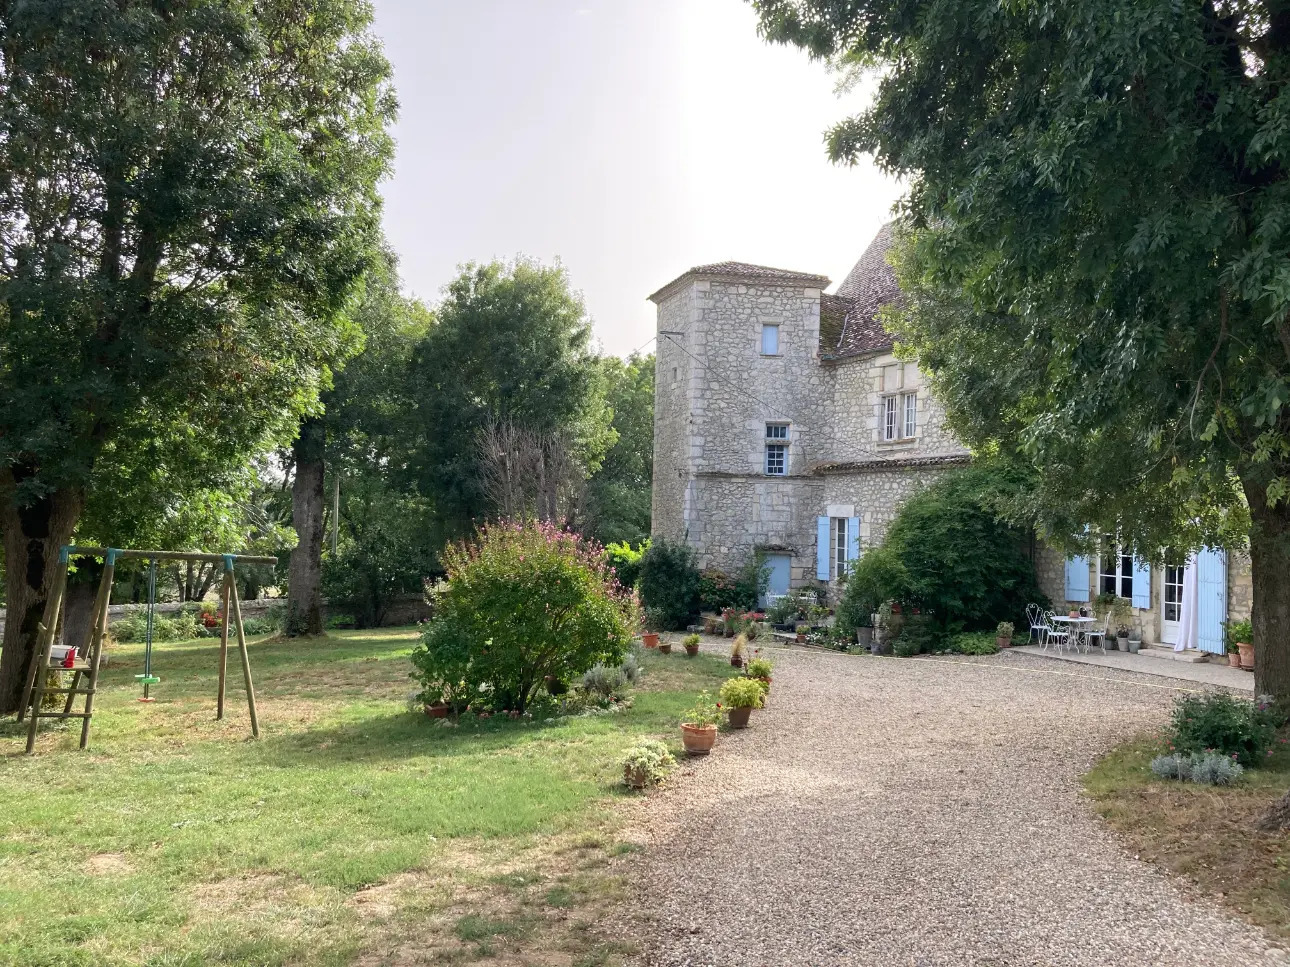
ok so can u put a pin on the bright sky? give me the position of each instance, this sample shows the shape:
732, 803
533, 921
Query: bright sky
631, 139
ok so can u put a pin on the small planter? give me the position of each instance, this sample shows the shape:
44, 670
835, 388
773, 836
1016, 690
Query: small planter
739, 717
1003, 642
736, 662
698, 739
692, 650
1122, 643
1246, 650
438, 710
1134, 645
650, 639
636, 776
665, 648
864, 637
1234, 659
800, 639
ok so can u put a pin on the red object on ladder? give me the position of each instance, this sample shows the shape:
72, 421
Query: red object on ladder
69, 660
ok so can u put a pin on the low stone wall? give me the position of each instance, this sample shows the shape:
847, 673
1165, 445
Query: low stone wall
406, 609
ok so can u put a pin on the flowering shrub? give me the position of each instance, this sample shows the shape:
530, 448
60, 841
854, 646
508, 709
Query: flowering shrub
704, 712
1219, 722
647, 764
522, 602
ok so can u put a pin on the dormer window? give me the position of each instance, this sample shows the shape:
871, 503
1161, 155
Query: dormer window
770, 340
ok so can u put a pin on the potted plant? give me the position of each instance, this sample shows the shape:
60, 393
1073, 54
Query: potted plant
699, 725
664, 646
691, 643
1135, 641
740, 696
711, 624
729, 622
646, 764
434, 699
737, 650
1241, 633
759, 671
1003, 634
801, 630
1233, 653
864, 634
654, 623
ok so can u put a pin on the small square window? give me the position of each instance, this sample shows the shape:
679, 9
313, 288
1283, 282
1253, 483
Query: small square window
776, 431
776, 459
770, 340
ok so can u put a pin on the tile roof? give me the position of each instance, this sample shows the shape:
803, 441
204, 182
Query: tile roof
891, 463
869, 286
747, 272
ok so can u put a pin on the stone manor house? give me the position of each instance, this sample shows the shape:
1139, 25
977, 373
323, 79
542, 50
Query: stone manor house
784, 423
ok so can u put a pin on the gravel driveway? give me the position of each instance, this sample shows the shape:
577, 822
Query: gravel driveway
916, 812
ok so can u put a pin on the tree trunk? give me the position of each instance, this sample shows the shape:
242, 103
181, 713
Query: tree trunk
32, 537
1270, 572
79, 603
304, 574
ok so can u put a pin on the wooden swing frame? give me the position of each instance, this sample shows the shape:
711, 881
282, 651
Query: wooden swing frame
87, 668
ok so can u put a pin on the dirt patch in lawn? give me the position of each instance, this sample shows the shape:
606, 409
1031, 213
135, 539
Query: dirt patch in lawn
108, 864
1205, 834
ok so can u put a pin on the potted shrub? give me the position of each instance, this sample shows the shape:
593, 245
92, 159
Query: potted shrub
1233, 653
737, 650
655, 621
691, 643
1241, 633
665, 646
646, 764
1003, 634
699, 725
739, 696
711, 624
864, 634
1135, 641
759, 671
801, 630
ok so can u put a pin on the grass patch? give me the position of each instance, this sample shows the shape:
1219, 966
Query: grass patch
354, 829
1203, 833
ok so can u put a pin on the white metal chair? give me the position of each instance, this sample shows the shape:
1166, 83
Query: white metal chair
1098, 638
1056, 635
1038, 628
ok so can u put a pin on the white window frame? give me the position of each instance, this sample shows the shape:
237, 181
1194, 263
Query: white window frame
838, 563
889, 416
899, 417
776, 460
909, 407
769, 328
1179, 570
1119, 576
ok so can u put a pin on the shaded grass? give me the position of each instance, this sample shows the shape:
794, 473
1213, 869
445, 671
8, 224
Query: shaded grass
1203, 833
352, 825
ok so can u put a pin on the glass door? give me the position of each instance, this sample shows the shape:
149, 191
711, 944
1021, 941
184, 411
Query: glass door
1171, 616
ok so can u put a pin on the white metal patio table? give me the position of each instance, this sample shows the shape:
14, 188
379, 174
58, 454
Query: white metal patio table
1078, 628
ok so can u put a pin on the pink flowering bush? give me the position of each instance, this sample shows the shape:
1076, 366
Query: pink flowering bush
523, 602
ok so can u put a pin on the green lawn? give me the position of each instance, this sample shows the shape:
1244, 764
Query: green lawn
352, 831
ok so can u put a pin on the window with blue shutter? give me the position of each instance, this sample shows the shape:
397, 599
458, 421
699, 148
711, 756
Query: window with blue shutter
822, 548
853, 539
1077, 579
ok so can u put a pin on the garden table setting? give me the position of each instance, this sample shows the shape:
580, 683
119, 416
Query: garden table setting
1076, 625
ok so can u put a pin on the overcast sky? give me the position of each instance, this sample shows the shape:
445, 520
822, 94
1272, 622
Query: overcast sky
631, 139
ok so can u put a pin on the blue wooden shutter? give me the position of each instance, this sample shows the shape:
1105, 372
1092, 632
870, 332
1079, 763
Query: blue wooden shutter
1211, 599
822, 548
1141, 583
853, 539
1077, 579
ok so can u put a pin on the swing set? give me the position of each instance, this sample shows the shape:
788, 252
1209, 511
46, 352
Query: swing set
84, 660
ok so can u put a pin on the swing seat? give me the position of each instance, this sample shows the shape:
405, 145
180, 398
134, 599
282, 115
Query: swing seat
147, 679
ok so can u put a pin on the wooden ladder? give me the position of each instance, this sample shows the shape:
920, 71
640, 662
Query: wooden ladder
86, 670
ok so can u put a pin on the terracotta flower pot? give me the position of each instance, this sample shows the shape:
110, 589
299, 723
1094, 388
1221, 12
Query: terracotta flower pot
1246, 651
650, 639
739, 717
1003, 642
736, 662
800, 639
437, 711
691, 649
1234, 659
665, 647
698, 739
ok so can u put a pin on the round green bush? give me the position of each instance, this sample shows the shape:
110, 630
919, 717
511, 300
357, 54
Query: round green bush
669, 583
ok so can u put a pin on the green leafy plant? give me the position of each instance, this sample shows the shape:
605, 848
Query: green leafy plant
739, 646
973, 643
1242, 631
523, 601
1220, 722
690, 641
604, 682
759, 668
741, 693
626, 561
1004, 629
647, 764
704, 711
669, 582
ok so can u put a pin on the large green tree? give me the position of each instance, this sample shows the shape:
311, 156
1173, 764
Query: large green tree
362, 412
1097, 255
618, 495
187, 195
511, 348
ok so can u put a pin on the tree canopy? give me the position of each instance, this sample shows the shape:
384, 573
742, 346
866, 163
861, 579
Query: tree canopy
511, 344
619, 492
1096, 254
187, 196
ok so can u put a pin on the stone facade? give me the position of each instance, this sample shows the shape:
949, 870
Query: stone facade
716, 393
